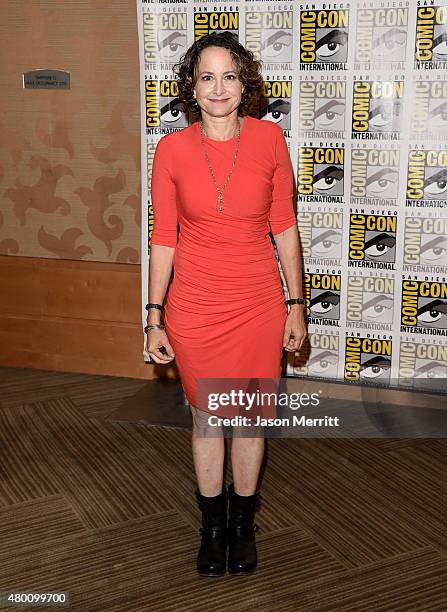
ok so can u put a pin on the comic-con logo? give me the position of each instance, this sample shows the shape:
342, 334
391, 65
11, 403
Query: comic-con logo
425, 244
424, 307
377, 109
430, 41
318, 358
324, 39
381, 37
321, 174
321, 108
368, 360
276, 103
375, 176
164, 110
322, 294
372, 240
370, 302
321, 235
427, 178
429, 115
423, 365
164, 36
269, 36
205, 22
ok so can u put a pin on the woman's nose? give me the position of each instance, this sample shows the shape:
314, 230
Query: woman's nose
219, 86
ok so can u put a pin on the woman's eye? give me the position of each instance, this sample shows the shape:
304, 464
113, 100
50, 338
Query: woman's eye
378, 310
372, 372
322, 307
326, 183
325, 245
277, 47
275, 116
321, 366
329, 49
430, 316
437, 371
434, 254
379, 186
377, 250
436, 188
172, 115
328, 118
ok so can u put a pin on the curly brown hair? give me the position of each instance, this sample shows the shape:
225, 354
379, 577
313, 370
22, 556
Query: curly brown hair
249, 70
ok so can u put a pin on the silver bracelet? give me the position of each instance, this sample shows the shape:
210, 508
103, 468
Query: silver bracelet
153, 326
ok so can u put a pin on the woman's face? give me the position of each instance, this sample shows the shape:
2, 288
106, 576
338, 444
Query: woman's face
218, 90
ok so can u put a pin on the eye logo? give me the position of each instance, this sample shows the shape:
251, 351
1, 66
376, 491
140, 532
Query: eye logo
321, 108
427, 175
321, 174
375, 367
321, 236
375, 176
323, 297
432, 313
274, 31
173, 113
434, 251
171, 34
431, 37
370, 300
368, 360
377, 109
372, 239
429, 113
379, 245
381, 36
323, 363
424, 305
422, 366
317, 358
275, 103
324, 39
324, 303
326, 243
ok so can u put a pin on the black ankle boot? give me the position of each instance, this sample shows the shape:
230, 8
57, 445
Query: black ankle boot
242, 556
212, 556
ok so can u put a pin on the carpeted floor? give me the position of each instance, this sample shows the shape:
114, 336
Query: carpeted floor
105, 511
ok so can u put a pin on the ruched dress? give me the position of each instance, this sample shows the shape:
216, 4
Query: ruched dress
225, 311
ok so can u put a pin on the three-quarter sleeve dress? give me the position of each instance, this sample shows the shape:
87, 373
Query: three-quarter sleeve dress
225, 311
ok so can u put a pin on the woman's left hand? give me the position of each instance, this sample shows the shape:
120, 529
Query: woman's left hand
295, 329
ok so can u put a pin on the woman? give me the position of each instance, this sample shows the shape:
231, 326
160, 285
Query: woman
227, 180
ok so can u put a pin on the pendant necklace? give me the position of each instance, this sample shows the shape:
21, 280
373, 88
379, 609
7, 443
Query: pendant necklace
220, 190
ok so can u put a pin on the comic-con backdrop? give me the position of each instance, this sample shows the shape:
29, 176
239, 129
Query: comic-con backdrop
360, 91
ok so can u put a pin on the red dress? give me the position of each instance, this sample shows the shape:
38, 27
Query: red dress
225, 311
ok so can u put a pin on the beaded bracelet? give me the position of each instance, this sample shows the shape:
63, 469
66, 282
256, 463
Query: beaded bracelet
295, 301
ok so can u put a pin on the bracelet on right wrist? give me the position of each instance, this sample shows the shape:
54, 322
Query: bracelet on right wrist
153, 326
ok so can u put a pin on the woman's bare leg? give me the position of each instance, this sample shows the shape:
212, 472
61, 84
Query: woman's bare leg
208, 451
246, 461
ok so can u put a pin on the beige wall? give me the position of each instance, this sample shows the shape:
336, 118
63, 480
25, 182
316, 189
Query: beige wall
70, 160
70, 192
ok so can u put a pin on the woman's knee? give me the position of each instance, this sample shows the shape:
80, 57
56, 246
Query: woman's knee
201, 425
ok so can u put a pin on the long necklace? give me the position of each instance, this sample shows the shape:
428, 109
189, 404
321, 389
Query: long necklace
220, 190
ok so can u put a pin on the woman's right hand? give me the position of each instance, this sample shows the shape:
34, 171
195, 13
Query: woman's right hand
156, 340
